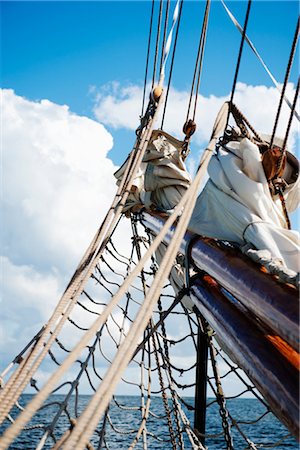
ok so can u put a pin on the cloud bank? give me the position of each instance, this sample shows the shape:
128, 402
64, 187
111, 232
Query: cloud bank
118, 106
57, 184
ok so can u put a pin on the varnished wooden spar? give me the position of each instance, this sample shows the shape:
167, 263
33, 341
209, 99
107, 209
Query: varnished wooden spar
273, 375
275, 304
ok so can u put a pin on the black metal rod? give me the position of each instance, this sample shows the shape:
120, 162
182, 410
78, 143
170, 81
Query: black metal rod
201, 383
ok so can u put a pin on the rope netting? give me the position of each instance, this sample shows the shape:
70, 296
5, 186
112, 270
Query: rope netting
154, 405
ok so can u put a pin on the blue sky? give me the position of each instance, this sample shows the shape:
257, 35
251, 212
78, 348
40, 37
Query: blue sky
73, 74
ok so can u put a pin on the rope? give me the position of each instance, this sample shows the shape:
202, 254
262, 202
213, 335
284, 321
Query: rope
286, 78
168, 44
165, 33
164, 397
284, 209
10, 434
199, 57
240, 51
157, 42
148, 56
172, 64
241, 119
293, 109
219, 394
249, 42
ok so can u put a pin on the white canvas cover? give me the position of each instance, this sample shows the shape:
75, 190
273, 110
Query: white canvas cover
236, 205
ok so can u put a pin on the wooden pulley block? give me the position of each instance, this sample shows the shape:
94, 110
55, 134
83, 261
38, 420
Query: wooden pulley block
157, 91
189, 128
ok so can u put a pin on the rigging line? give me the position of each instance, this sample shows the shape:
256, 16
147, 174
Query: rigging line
168, 44
165, 34
251, 45
286, 78
18, 359
203, 42
172, 64
240, 51
147, 59
281, 196
291, 116
195, 69
164, 315
157, 42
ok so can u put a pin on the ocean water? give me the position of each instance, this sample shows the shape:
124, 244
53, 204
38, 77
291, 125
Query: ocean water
264, 433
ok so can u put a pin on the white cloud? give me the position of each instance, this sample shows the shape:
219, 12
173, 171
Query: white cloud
28, 299
57, 181
57, 184
120, 107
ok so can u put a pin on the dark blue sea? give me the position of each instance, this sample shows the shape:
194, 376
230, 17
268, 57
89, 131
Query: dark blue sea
264, 433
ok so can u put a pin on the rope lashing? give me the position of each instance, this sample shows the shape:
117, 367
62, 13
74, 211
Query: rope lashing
276, 185
101, 398
242, 121
188, 129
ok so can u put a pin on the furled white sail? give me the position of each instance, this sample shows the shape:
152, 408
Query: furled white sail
236, 205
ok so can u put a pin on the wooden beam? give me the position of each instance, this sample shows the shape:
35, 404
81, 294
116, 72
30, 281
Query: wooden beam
274, 303
272, 374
